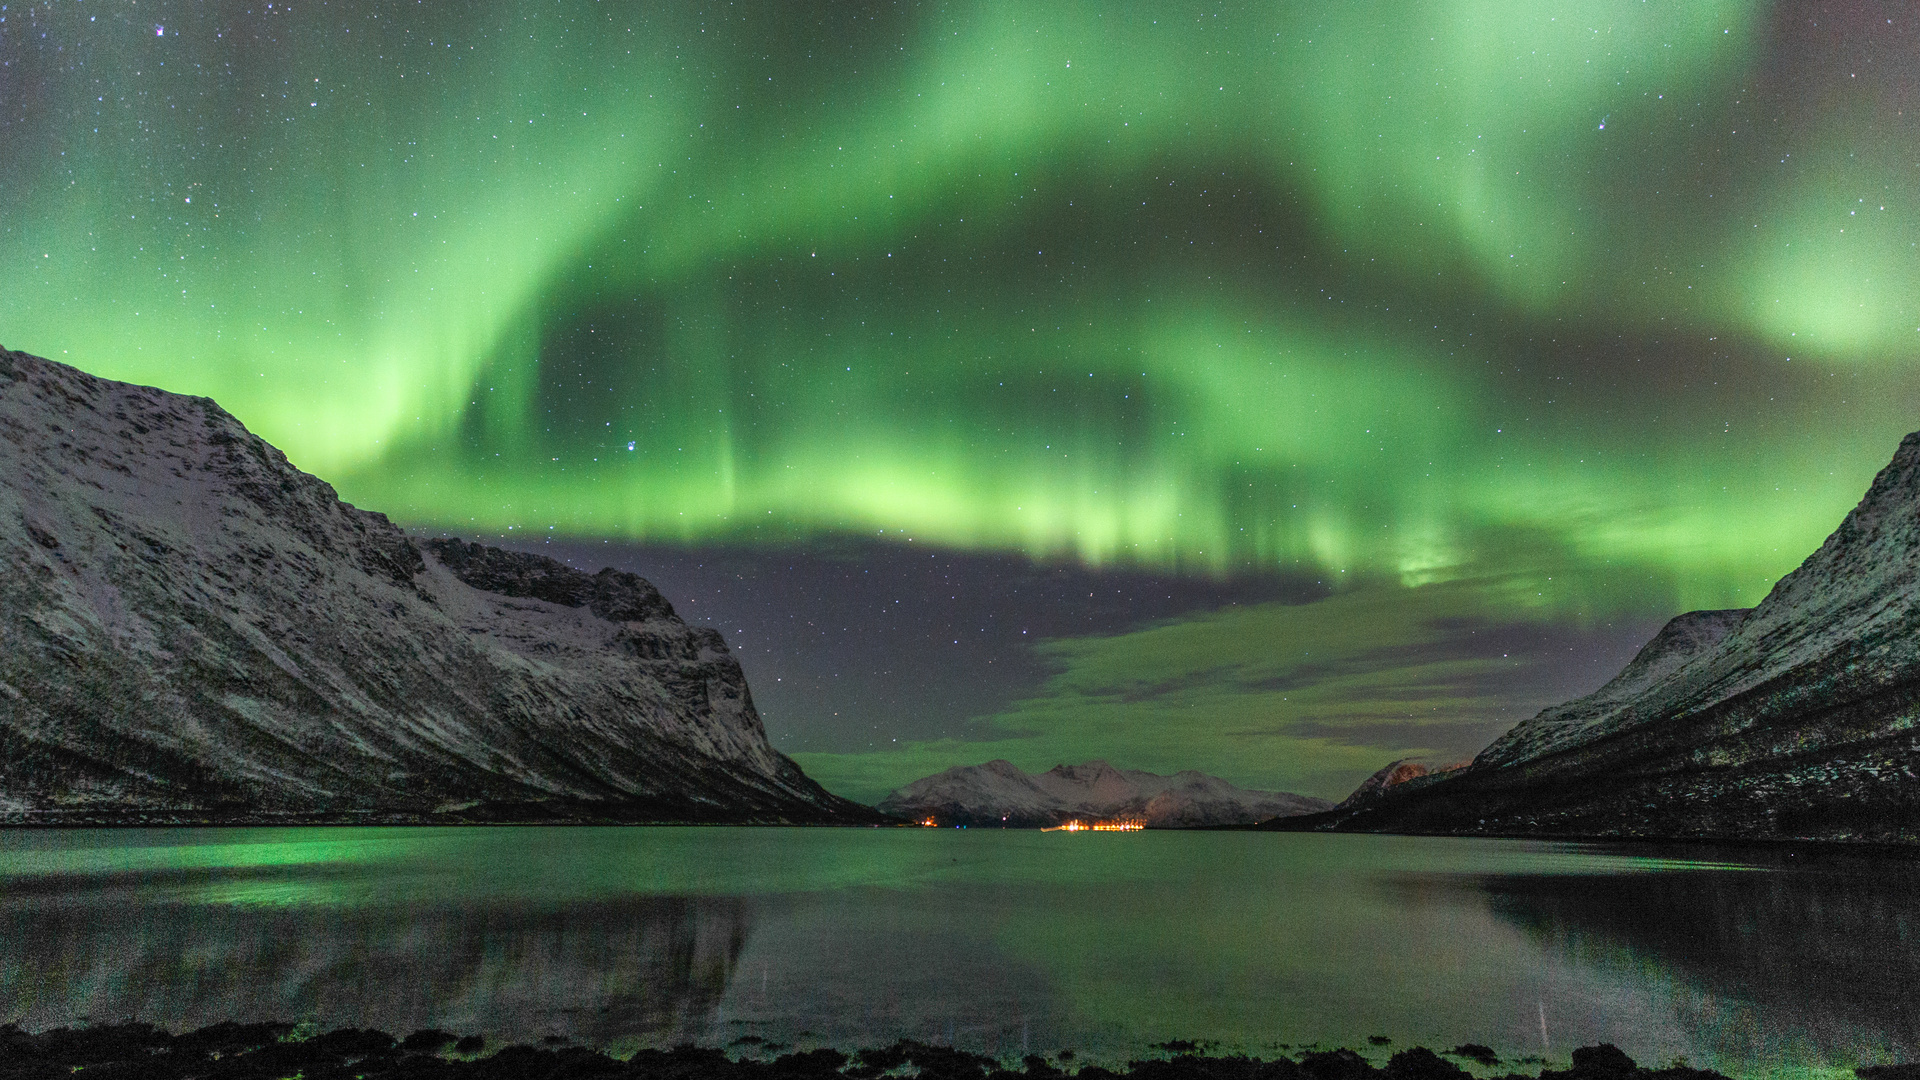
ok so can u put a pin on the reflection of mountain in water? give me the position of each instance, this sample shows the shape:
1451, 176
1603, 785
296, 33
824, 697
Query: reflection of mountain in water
652, 967
1828, 951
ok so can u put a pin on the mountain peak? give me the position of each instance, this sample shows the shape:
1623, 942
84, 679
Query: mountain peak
1791, 720
998, 793
192, 630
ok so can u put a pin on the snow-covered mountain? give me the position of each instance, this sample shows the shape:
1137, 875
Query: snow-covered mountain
1684, 639
1799, 718
191, 629
999, 793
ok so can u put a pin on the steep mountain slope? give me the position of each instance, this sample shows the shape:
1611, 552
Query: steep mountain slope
1793, 720
1683, 639
1390, 775
193, 630
999, 793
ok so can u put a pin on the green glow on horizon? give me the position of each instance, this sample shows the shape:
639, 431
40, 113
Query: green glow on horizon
906, 289
1308, 698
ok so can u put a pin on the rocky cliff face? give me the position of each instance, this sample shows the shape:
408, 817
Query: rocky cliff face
1000, 794
193, 630
1796, 719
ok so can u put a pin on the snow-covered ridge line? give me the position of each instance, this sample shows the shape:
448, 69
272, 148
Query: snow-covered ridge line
191, 629
1798, 719
999, 793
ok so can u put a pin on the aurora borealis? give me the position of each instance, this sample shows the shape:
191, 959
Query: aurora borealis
1415, 320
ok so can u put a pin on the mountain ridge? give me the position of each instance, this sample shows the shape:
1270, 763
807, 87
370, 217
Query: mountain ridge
194, 631
1798, 719
999, 793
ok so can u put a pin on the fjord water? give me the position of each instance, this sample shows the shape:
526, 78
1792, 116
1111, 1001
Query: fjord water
1000, 942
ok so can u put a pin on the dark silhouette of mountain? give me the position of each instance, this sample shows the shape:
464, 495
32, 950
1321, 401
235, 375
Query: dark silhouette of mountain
192, 630
1392, 774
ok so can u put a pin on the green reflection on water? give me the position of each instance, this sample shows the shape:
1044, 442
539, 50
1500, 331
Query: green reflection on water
357, 864
1112, 941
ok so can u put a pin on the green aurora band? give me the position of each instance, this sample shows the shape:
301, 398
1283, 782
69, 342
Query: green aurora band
1617, 301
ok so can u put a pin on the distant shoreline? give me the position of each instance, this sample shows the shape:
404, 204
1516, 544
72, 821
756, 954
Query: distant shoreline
382, 819
281, 1049
1812, 848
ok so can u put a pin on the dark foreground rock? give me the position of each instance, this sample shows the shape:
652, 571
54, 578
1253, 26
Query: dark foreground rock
1000, 793
194, 631
248, 1051
1798, 719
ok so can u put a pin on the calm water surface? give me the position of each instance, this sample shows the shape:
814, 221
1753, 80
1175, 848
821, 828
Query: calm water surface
1000, 942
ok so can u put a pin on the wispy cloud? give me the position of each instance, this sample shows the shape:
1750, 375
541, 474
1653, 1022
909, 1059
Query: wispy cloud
1302, 697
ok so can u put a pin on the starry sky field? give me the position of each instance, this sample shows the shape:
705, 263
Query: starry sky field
1273, 389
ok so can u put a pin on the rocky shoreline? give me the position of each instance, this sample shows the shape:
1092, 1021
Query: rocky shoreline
233, 1051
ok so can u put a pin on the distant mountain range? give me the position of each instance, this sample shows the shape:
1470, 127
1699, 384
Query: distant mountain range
1796, 719
192, 630
1000, 794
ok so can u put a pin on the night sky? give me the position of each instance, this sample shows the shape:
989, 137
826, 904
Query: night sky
1270, 389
